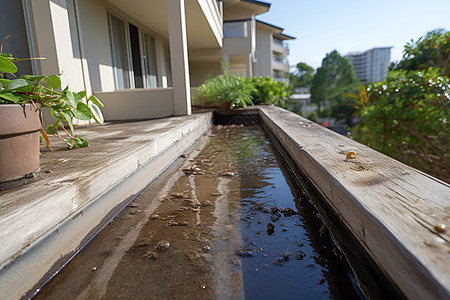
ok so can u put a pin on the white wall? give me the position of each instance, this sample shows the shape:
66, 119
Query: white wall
263, 66
137, 104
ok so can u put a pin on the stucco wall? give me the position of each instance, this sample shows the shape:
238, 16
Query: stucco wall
203, 70
263, 66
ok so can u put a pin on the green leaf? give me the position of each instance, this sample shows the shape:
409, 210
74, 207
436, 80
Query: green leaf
80, 142
96, 101
82, 94
10, 97
52, 129
16, 84
82, 112
96, 113
57, 114
6, 66
52, 82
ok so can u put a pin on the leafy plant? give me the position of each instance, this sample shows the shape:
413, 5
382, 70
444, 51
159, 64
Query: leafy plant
41, 91
431, 50
268, 90
224, 88
407, 117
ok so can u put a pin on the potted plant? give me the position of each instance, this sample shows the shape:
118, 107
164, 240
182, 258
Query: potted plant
20, 127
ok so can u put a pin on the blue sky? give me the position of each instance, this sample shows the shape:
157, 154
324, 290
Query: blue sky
321, 26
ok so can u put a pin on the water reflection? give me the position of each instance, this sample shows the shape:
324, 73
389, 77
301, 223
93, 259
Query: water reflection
297, 259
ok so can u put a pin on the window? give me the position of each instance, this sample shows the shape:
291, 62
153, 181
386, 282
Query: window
119, 52
150, 62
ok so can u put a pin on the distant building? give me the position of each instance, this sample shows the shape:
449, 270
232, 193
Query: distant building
371, 65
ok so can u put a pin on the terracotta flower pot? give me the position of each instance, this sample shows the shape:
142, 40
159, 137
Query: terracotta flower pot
19, 144
227, 105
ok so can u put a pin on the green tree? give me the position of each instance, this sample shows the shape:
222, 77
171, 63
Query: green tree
332, 80
302, 76
431, 50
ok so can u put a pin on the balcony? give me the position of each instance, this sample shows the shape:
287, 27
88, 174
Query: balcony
372, 204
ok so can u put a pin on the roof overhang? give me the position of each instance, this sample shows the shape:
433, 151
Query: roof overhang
154, 16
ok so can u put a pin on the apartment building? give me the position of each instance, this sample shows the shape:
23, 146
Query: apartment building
141, 57
371, 65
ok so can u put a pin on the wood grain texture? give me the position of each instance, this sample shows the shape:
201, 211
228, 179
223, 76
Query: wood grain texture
391, 208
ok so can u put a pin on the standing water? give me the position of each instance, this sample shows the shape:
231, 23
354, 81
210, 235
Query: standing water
227, 220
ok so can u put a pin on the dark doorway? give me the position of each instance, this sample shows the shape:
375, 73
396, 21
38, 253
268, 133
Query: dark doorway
136, 57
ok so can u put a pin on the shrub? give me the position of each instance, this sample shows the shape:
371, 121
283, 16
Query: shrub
407, 118
270, 91
224, 88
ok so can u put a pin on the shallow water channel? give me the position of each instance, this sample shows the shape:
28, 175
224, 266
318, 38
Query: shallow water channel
225, 220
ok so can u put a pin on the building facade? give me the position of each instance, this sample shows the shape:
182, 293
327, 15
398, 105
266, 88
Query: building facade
139, 57
371, 65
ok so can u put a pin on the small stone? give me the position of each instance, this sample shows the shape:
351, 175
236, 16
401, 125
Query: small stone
94, 269
184, 155
132, 205
321, 281
154, 216
284, 229
134, 211
207, 203
274, 218
274, 210
48, 171
323, 230
270, 228
440, 228
216, 194
207, 248
163, 245
286, 255
351, 155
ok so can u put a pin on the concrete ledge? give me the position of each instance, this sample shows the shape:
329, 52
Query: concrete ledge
43, 223
390, 208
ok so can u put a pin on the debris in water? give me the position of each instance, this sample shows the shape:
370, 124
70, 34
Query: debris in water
286, 256
207, 203
151, 255
274, 218
191, 203
244, 252
300, 255
228, 174
287, 212
178, 195
174, 223
274, 210
323, 230
163, 245
270, 228
440, 228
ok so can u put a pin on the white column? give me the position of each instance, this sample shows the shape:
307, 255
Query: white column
179, 57
249, 63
